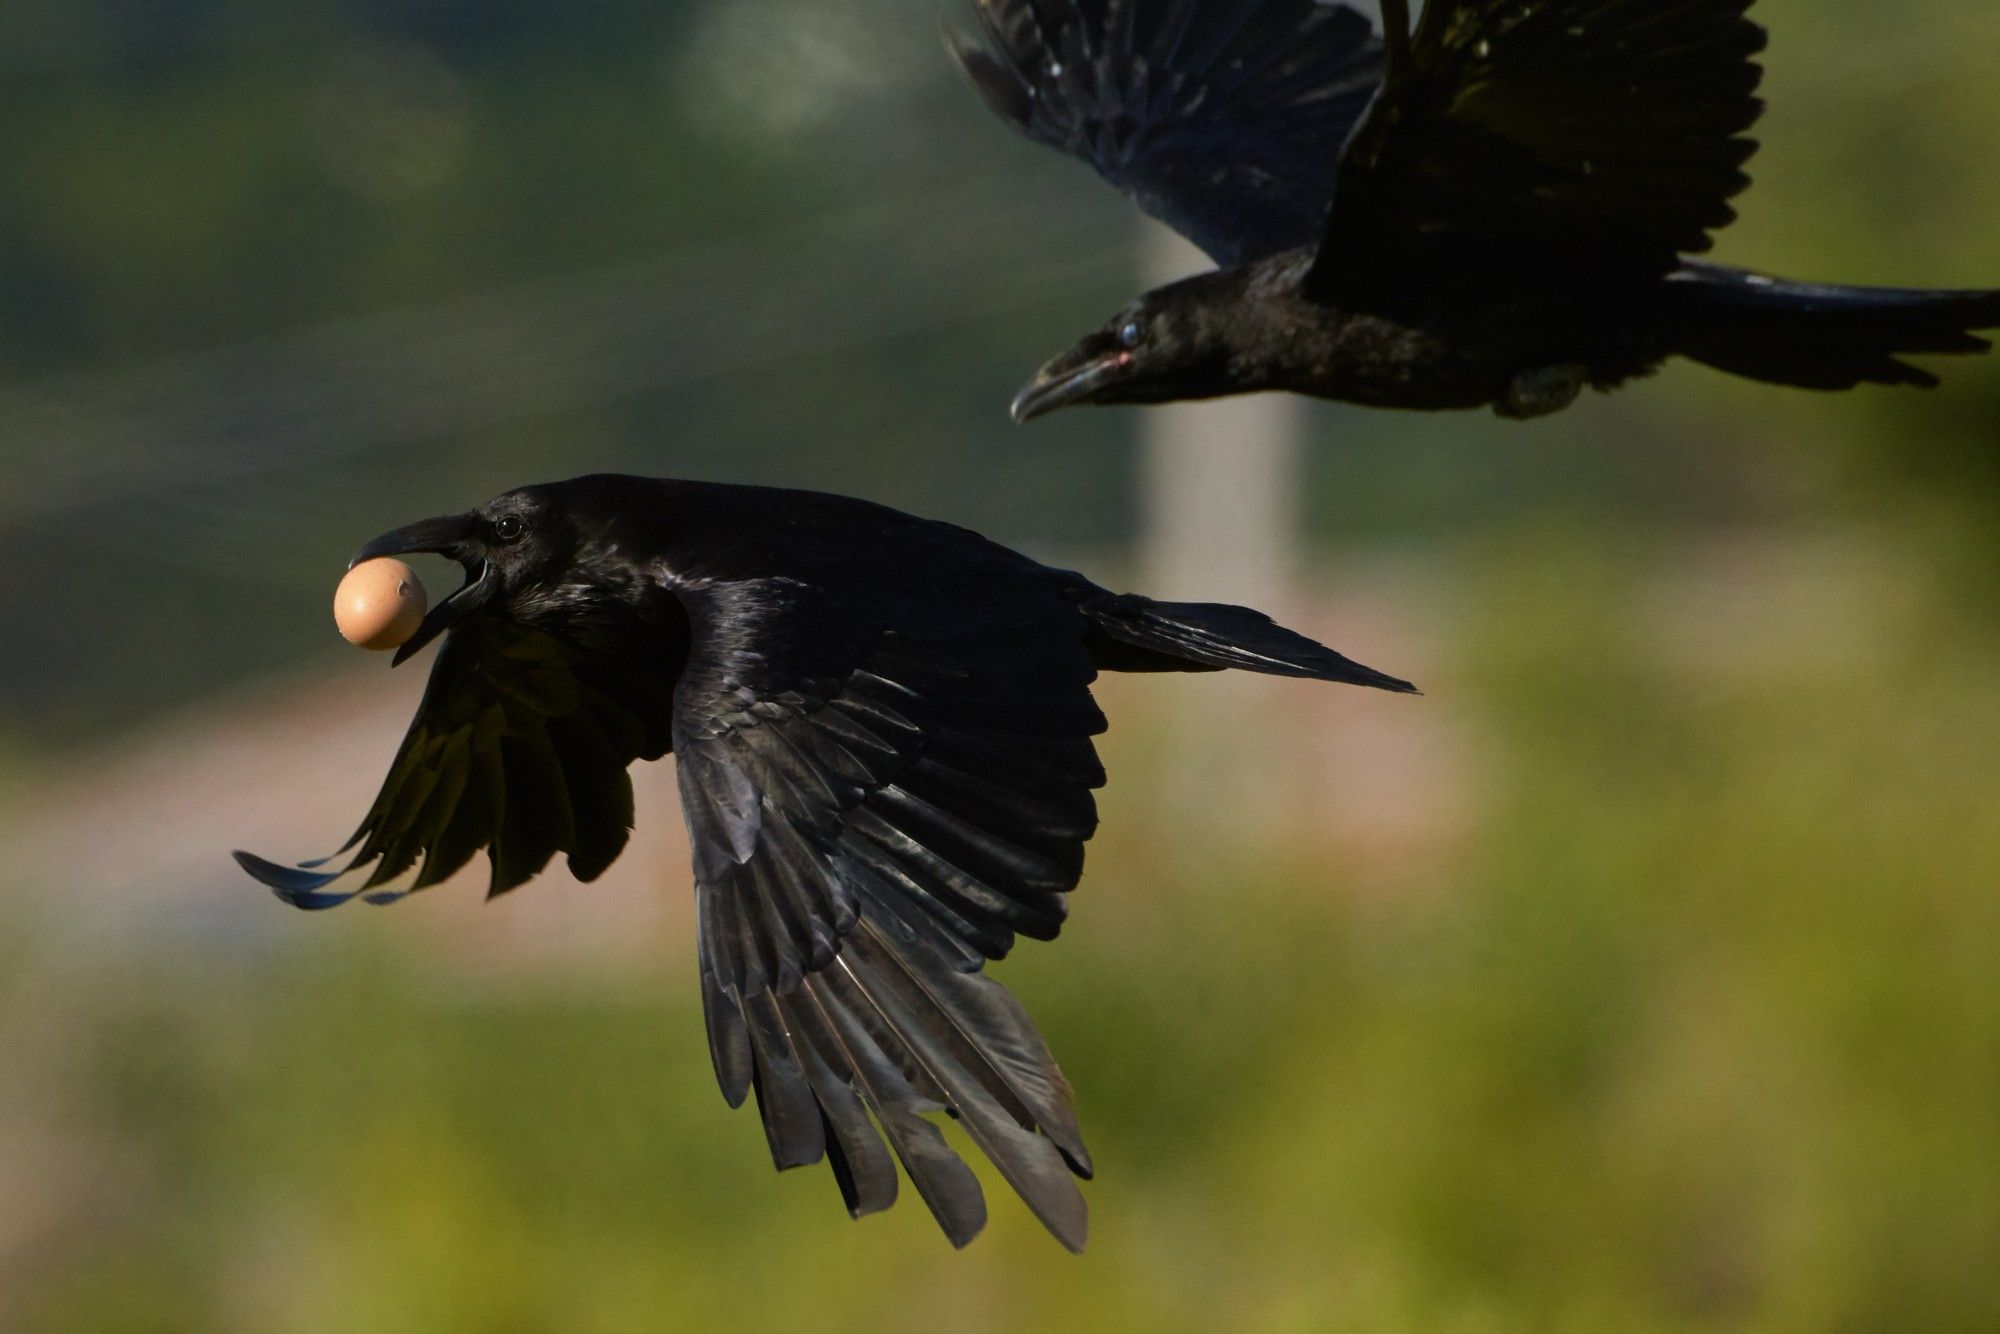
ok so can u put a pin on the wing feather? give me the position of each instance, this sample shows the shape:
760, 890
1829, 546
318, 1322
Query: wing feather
851, 882
944, 1182
861, 1163
1221, 118
785, 1100
519, 748
1599, 138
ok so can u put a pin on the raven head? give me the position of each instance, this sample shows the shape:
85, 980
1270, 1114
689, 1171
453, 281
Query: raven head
1170, 344
516, 552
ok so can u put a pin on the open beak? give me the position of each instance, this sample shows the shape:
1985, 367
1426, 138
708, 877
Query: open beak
1073, 377
456, 537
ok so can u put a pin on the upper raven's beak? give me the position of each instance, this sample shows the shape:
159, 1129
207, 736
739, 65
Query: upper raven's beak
1073, 377
456, 536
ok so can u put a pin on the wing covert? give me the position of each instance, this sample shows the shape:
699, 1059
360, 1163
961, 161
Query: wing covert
939, 781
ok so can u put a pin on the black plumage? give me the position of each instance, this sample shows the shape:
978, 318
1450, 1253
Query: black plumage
1497, 209
883, 728
1222, 120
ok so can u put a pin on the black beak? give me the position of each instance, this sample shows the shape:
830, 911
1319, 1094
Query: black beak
456, 536
1073, 377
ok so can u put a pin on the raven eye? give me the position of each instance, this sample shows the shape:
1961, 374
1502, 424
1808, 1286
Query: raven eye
1130, 336
508, 528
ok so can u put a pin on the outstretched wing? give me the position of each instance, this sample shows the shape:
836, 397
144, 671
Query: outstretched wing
876, 809
1590, 137
520, 748
1221, 118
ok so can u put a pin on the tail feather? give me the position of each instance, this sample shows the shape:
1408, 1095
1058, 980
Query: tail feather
1812, 336
1142, 635
877, 1044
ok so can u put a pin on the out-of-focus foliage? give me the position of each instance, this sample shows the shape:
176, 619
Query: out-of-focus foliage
1698, 1026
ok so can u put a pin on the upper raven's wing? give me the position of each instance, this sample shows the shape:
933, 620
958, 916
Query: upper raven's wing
1221, 118
520, 747
1592, 137
880, 795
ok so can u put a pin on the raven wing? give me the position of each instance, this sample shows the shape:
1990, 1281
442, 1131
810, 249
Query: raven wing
520, 747
875, 811
1591, 137
1221, 118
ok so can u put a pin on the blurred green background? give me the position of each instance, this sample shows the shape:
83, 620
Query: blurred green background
1644, 975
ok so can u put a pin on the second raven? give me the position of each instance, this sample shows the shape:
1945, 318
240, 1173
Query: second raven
1495, 210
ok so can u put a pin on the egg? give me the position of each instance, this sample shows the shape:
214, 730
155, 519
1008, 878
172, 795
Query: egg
379, 605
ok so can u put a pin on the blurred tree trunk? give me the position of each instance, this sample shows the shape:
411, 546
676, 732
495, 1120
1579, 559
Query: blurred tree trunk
1218, 486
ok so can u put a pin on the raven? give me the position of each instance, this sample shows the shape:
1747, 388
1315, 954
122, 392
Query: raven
882, 726
1495, 210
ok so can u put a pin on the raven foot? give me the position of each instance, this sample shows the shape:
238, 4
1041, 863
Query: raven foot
1539, 392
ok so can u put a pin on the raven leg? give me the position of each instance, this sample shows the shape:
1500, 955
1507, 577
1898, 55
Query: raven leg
1539, 392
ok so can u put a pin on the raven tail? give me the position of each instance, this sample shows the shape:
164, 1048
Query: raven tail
1812, 336
1141, 635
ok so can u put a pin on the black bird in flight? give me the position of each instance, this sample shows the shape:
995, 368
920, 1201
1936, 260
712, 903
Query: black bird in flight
1496, 209
882, 727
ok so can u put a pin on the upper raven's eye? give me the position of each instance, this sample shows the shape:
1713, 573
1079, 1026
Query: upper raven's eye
1129, 337
508, 528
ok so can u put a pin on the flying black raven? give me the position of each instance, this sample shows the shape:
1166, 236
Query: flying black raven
883, 729
1495, 210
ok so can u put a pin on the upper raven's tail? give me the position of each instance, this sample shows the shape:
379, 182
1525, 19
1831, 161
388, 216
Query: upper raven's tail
1820, 337
1137, 634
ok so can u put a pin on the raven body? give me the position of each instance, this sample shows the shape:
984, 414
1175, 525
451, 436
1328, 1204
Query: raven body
883, 730
1497, 209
